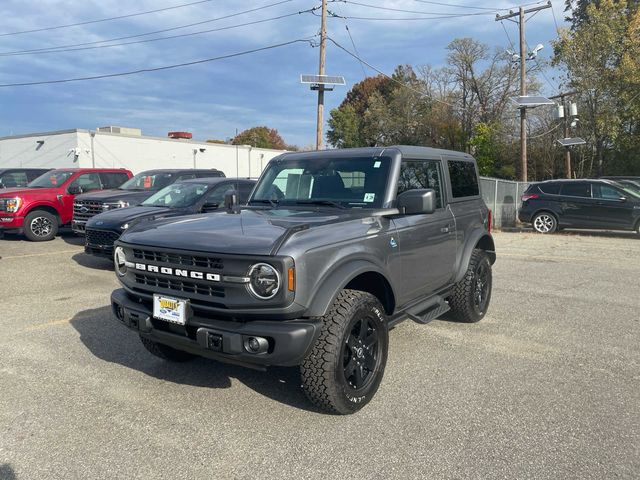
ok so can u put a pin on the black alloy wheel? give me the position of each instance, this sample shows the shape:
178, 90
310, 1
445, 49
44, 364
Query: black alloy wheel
361, 354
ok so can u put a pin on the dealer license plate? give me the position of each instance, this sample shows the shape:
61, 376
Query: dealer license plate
170, 309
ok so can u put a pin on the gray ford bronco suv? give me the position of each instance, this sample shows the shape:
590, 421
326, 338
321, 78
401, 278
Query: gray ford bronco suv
333, 249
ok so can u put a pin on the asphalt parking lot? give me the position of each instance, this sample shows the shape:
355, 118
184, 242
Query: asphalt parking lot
546, 386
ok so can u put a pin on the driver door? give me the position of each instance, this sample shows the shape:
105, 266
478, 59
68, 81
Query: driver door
427, 242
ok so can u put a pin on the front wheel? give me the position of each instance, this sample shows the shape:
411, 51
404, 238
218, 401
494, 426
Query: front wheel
40, 226
545, 223
470, 298
345, 367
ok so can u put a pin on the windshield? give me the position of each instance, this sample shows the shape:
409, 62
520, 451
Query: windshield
51, 179
631, 188
148, 181
339, 182
178, 195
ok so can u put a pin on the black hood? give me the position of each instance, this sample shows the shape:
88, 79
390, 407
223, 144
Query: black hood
114, 219
133, 197
250, 232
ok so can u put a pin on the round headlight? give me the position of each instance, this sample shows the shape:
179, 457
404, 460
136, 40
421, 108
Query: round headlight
264, 281
120, 261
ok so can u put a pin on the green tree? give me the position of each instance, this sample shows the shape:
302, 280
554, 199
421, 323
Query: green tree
260, 137
484, 147
600, 56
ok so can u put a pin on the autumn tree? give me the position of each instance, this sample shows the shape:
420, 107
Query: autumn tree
260, 137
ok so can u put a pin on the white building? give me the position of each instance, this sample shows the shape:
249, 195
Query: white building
118, 147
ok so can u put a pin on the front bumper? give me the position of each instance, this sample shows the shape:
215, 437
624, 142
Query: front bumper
10, 221
78, 226
289, 341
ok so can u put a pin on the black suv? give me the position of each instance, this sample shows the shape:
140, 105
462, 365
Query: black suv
200, 195
132, 192
598, 204
19, 177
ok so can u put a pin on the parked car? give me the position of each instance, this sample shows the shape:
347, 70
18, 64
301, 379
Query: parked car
19, 177
45, 204
629, 182
132, 192
200, 195
598, 204
334, 248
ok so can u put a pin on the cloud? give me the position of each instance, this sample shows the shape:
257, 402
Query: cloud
214, 99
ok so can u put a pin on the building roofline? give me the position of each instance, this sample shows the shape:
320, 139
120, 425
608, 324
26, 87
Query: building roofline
43, 134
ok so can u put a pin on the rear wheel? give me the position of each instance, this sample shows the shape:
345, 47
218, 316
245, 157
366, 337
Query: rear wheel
544, 222
40, 226
470, 298
345, 367
166, 352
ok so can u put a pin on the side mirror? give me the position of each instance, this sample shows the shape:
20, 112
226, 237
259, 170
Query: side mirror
230, 199
210, 207
74, 189
417, 201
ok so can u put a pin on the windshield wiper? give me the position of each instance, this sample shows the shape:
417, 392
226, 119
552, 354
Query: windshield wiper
273, 203
330, 203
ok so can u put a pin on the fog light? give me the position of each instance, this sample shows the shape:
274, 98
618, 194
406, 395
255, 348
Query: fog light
256, 344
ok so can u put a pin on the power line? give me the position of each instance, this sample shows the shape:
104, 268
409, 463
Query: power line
411, 11
385, 75
120, 17
156, 69
170, 37
545, 133
355, 49
72, 47
448, 4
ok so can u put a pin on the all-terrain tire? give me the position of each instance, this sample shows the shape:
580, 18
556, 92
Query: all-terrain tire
166, 352
344, 369
40, 226
471, 296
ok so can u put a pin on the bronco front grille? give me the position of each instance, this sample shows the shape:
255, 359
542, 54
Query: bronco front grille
83, 210
101, 238
179, 259
179, 285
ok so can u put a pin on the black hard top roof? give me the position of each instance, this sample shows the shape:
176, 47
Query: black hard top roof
405, 150
214, 180
179, 170
25, 169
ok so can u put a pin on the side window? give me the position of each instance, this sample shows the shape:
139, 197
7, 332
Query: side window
606, 192
244, 189
217, 194
186, 176
212, 173
417, 174
576, 189
87, 182
551, 188
14, 179
113, 180
33, 175
464, 181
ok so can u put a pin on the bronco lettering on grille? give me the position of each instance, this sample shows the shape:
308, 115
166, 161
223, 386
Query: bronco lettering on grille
178, 272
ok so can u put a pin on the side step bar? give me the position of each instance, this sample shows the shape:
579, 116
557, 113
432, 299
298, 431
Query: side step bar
423, 312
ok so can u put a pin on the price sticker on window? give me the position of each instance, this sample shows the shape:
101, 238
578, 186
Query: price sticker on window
369, 197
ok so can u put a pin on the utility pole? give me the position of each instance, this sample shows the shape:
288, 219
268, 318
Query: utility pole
523, 79
323, 37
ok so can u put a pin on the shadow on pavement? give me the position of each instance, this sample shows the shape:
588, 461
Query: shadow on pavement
71, 238
568, 232
6, 472
91, 261
112, 342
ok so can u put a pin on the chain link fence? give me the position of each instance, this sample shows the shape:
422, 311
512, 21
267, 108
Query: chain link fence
503, 198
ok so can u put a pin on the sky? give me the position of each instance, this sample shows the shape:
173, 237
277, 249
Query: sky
213, 99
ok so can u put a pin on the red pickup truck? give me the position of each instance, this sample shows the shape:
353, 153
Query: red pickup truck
45, 204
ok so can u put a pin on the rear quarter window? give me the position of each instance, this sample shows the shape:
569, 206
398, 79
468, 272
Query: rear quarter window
550, 188
464, 181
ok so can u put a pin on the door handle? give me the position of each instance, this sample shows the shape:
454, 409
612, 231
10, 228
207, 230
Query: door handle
445, 229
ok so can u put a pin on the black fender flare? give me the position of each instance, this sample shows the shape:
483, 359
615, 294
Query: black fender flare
331, 286
481, 237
